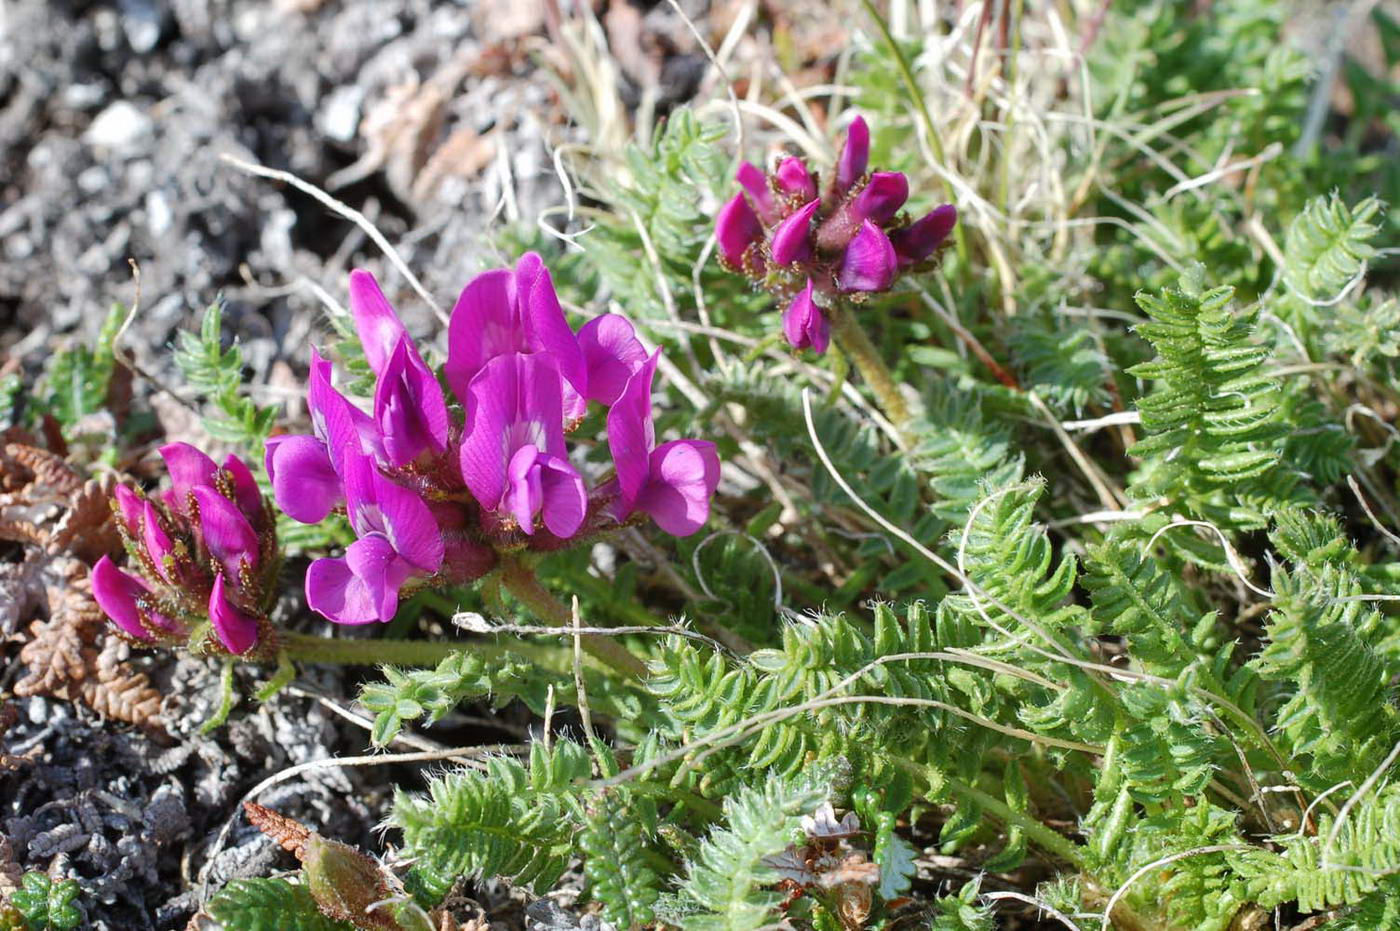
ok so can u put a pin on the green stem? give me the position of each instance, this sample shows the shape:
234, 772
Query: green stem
1047, 839
309, 648
520, 580
854, 342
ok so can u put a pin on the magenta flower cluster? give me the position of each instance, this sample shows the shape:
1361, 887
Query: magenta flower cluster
205, 549
812, 247
439, 492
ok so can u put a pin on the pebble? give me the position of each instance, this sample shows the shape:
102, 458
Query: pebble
119, 127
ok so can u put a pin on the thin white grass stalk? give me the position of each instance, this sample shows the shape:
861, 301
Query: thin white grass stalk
719, 68
405, 737
1307, 812
1122, 890
1109, 497
1045, 907
1370, 514
584, 712
1271, 152
1117, 418
1360, 793
1231, 556
459, 754
758, 544
349, 213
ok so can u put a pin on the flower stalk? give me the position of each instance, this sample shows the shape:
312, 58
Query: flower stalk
856, 344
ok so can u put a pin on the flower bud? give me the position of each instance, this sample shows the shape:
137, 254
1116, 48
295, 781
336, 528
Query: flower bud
804, 323
918, 241
755, 182
795, 180
117, 593
792, 238
736, 228
869, 263
236, 630
855, 156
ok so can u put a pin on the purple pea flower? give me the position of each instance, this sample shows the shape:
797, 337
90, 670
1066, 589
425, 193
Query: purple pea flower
869, 262
191, 468
611, 353
158, 543
738, 230
673, 482
513, 456
120, 595
130, 507
398, 539
409, 409
305, 470
855, 156
809, 249
918, 240
226, 532
805, 324
505, 311
795, 180
236, 629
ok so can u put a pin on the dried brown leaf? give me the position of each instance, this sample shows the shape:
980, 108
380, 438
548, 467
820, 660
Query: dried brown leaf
10, 871
290, 834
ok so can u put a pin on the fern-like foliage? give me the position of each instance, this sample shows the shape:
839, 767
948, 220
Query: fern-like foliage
411, 694
217, 374
269, 905
1354, 864
621, 876
1337, 709
77, 379
1327, 245
728, 875
1212, 424
1062, 363
510, 820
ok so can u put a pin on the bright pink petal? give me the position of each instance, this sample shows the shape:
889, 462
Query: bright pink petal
409, 409
792, 240
869, 263
484, 324
805, 324
736, 229
376, 322
612, 352
409, 525
188, 468
565, 499
156, 540
795, 180
855, 156
918, 241
683, 477
304, 483
340, 425
546, 329
226, 532
491, 403
523, 494
881, 199
245, 488
130, 506
115, 593
237, 631
631, 434
335, 592
380, 571
755, 182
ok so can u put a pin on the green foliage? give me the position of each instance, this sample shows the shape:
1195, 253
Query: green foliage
411, 694
77, 379
510, 820
269, 905
962, 911
48, 905
1327, 246
620, 872
217, 374
728, 875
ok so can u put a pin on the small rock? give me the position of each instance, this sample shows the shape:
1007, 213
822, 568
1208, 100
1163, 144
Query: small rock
119, 127
339, 116
142, 21
159, 216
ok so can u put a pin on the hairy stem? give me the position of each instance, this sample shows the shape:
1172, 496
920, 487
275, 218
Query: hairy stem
520, 580
309, 648
854, 342
1038, 833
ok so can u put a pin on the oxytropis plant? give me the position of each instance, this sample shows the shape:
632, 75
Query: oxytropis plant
203, 559
443, 487
817, 247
